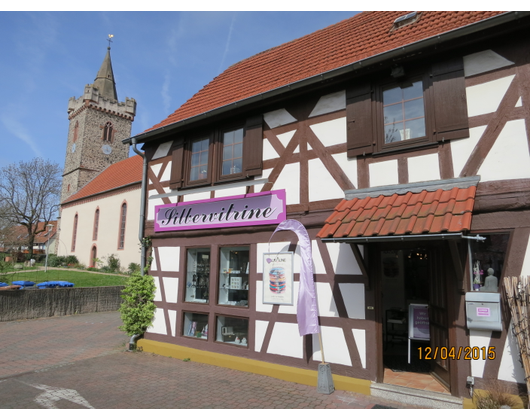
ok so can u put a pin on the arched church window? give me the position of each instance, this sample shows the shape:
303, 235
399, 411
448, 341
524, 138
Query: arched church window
74, 233
108, 132
96, 226
123, 219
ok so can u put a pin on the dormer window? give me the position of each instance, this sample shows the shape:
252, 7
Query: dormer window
405, 20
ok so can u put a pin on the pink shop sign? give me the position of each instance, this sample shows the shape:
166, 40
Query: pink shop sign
264, 208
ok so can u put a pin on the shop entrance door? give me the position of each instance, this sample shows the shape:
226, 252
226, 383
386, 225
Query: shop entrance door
413, 274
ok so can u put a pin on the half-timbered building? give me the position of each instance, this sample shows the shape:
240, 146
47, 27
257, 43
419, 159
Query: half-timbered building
400, 141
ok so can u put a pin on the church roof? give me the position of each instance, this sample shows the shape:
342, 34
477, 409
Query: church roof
120, 174
354, 40
104, 81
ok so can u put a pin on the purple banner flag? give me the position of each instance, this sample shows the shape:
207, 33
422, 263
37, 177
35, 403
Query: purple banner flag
307, 311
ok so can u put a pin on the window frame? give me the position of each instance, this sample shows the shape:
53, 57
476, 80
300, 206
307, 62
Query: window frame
74, 232
381, 146
122, 226
445, 103
252, 156
96, 225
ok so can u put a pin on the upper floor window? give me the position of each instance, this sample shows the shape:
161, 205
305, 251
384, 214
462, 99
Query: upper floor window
416, 107
403, 112
232, 152
199, 159
222, 155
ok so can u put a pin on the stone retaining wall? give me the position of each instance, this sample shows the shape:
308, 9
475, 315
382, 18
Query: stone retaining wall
42, 303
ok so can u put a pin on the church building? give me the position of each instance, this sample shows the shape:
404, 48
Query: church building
100, 194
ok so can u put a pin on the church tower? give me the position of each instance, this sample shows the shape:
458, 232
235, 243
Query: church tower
98, 123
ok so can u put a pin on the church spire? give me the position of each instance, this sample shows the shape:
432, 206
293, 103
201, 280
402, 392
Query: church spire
104, 81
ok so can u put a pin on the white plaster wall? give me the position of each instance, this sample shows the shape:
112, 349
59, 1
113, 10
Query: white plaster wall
151, 203
318, 263
484, 61
162, 150
108, 230
286, 340
289, 180
196, 196
260, 306
511, 369
325, 300
383, 173
166, 176
260, 329
509, 158
322, 186
525, 270
329, 103
173, 321
478, 338
159, 323
158, 289
335, 347
229, 192
348, 165
424, 168
331, 132
353, 297
486, 97
342, 258
461, 149
285, 138
171, 285
278, 118
268, 152
360, 342
169, 258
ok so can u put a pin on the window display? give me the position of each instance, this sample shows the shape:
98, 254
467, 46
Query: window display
232, 330
487, 261
233, 277
198, 275
196, 325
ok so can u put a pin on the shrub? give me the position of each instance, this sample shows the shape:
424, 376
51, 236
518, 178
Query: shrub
71, 260
56, 261
113, 264
137, 309
133, 267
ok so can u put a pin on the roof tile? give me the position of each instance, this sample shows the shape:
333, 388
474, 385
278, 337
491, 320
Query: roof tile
362, 36
408, 214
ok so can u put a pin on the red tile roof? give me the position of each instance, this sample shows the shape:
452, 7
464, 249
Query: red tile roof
360, 37
440, 211
117, 175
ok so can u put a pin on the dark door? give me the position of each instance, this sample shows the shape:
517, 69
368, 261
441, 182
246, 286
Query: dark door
438, 319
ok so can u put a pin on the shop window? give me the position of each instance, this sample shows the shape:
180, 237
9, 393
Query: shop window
232, 330
233, 276
487, 261
198, 275
196, 325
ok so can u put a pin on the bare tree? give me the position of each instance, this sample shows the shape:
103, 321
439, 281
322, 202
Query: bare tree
30, 193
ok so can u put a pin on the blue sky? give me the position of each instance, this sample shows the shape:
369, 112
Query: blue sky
159, 58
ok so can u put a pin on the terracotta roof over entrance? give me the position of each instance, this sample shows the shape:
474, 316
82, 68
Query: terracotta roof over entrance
360, 37
439, 211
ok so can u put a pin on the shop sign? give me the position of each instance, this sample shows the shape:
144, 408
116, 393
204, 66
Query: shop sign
246, 210
418, 322
278, 278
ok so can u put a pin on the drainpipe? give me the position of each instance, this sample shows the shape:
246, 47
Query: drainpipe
132, 341
142, 205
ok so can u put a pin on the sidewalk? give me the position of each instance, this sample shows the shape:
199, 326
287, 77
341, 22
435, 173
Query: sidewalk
80, 361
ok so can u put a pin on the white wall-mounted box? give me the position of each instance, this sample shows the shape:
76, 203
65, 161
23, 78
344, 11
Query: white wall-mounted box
483, 311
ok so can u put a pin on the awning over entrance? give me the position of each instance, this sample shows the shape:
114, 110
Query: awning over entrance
424, 213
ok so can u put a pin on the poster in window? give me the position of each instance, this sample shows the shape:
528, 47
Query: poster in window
278, 278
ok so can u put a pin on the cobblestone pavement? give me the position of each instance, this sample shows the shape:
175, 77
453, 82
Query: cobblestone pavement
80, 361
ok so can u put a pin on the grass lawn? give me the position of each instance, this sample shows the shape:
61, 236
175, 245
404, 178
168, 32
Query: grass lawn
79, 278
